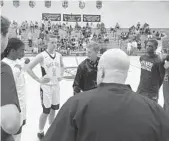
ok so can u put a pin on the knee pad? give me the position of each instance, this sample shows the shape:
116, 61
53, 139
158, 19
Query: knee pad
46, 110
55, 107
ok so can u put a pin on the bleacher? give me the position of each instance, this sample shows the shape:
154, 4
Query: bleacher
114, 41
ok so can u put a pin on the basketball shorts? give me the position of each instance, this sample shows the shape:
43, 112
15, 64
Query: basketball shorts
50, 97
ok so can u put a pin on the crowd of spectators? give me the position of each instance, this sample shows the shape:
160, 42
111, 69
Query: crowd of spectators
75, 38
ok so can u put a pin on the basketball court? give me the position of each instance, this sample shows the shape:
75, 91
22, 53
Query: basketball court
34, 108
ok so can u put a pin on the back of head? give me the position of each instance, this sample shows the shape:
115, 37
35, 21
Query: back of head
5, 23
13, 43
113, 66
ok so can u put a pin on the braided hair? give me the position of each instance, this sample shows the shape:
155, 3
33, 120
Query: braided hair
13, 43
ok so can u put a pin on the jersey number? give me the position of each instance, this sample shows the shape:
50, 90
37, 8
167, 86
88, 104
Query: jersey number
54, 71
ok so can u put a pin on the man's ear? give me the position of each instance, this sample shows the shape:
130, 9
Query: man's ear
103, 73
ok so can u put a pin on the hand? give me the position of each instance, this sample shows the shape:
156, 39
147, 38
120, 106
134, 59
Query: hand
27, 60
166, 65
18, 66
44, 80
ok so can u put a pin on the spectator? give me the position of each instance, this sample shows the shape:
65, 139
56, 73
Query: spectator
30, 38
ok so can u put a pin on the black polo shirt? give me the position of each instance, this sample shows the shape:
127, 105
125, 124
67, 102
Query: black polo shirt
111, 112
86, 76
8, 91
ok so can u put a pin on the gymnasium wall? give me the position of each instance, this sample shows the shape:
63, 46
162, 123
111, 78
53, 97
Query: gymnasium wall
126, 13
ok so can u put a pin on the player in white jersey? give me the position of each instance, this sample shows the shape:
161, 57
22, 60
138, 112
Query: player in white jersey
52, 71
12, 55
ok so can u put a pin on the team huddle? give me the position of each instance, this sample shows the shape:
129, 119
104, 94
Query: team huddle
103, 107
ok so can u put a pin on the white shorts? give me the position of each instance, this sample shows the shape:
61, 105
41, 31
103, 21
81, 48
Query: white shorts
23, 113
50, 97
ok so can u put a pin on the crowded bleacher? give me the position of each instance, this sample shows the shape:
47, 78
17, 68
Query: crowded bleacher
72, 40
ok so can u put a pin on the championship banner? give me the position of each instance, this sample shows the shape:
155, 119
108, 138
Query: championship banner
71, 18
98, 4
16, 3
91, 18
1, 3
65, 4
51, 16
48, 3
81, 4
32, 3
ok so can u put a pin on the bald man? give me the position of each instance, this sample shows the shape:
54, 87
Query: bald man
112, 111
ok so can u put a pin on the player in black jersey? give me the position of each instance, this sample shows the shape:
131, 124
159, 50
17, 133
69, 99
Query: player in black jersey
152, 72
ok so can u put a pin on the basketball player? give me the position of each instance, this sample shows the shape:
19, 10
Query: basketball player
85, 78
52, 70
166, 85
152, 72
13, 52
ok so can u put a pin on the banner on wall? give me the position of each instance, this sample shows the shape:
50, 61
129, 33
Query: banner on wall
98, 4
32, 3
91, 18
16, 3
81, 4
48, 3
51, 16
71, 17
1, 3
65, 4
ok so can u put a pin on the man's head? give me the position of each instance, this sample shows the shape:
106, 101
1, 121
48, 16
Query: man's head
92, 50
15, 49
151, 46
113, 67
52, 42
5, 23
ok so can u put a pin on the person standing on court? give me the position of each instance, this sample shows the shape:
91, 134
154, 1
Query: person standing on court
12, 55
166, 85
52, 68
86, 74
112, 111
10, 108
152, 72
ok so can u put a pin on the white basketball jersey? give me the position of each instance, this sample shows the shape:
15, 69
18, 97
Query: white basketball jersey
51, 67
19, 78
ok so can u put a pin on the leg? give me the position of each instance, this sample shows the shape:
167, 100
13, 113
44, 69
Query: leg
55, 102
51, 116
46, 104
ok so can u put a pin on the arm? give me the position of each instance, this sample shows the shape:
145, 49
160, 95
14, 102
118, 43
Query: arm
166, 65
62, 66
161, 73
10, 109
10, 118
38, 59
64, 126
77, 84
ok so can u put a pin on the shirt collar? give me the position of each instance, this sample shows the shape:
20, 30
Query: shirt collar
116, 86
